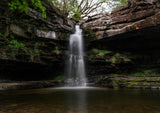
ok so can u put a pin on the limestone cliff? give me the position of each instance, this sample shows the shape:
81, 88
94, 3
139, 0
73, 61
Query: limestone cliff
134, 16
125, 41
32, 47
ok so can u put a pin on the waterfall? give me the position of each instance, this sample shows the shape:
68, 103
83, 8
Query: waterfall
76, 75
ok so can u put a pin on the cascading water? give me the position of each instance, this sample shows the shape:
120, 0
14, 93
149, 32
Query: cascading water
75, 65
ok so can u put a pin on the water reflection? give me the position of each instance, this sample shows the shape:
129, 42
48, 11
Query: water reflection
78, 106
78, 100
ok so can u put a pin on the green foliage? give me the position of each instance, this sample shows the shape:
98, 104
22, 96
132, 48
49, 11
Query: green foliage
15, 46
18, 4
108, 56
117, 55
127, 59
2, 35
69, 9
101, 52
117, 58
59, 77
114, 60
77, 15
57, 51
77, 9
25, 20
132, 27
145, 73
122, 2
36, 49
12, 37
63, 36
22, 6
35, 53
96, 53
3, 54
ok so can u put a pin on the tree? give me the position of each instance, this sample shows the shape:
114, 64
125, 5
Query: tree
77, 9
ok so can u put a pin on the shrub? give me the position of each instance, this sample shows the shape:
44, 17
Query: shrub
22, 6
14, 45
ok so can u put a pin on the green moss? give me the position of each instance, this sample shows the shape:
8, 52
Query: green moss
127, 60
60, 77
15, 46
135, 83
123, 80
145, 83
117, 55
100, 52
138, 80
129, 85
57, 51
25, 20
107, 60
3, 55
103, 52
115, 84
91, 57
118, 58
113, 60
91, 35
132, 27
63, 36
2, 35
108, 56
35, 52
145, 73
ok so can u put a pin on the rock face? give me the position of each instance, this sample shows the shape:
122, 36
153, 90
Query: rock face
131, 17
130, 82
32, 23
32, 47
124, 42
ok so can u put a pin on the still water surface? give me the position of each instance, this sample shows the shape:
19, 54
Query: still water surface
88, 100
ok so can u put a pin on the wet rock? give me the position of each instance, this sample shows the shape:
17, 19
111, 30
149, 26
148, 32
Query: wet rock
49, 34
130, 82
29, 85
18, 31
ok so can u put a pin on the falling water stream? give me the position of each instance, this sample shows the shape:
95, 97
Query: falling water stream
76, 75
75, 97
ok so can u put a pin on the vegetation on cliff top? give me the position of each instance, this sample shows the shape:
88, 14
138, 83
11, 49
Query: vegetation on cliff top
22, 6
75, 9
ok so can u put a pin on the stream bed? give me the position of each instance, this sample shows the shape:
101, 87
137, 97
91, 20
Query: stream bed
80, 100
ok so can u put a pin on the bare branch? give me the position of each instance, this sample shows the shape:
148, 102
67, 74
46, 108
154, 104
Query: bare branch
85, 7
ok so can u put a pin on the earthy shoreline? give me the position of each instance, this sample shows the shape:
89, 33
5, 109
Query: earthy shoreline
113, 82
29, 85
